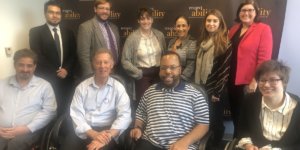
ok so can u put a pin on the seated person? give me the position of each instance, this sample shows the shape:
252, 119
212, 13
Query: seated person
100, 109
270, 118
27, 104
172, 114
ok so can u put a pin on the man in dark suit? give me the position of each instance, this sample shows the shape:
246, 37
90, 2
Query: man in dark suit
56, 50
98, 33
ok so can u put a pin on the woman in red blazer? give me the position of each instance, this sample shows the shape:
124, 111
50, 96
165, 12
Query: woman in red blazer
252, 44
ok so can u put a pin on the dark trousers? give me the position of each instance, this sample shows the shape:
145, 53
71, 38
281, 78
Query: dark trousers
150, 76
216, 112
235, 95
73, 142
22, 142
145, 145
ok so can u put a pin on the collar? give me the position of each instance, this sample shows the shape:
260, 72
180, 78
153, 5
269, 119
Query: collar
284, 108
51, 27
13, 82
91, 82
179, 87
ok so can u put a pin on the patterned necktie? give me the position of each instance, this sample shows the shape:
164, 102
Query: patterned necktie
57, 43
111, 42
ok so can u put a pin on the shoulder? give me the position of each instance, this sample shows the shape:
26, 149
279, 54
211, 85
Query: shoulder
41, 82
88, 23
38, 28
157, 32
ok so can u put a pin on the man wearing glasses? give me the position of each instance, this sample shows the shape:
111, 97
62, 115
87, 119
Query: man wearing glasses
172, 114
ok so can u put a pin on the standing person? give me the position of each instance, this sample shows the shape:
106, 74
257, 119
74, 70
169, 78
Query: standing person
270, 118
251, 45
185, 46
172, 114
55, 47
141, 54
212, 67
100, 109
98, 33
27, 104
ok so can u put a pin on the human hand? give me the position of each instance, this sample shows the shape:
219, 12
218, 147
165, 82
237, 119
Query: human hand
250, 147
215, 99
95, 145
136, 133
251, 87
179, 145
9, 133
103, 137
62, 73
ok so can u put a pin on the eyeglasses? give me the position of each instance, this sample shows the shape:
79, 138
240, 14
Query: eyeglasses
271, 81
247, 10
172, 68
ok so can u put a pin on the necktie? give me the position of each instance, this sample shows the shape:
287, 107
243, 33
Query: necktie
111, 42
57, 43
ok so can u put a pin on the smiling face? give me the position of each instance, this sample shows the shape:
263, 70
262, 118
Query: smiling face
53, 15
247, 14
145, 22
212, 23
182, 27
270, 85
102, 64
102, 11
170, 71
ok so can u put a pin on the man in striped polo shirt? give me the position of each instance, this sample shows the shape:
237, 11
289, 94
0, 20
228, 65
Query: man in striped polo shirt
172, 114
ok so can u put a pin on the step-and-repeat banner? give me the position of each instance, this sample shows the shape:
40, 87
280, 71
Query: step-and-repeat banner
124, 13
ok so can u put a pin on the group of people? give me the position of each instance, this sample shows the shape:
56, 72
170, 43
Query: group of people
148, 85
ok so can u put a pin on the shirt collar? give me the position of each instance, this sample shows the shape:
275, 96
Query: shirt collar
91, 82
284, 108
13, 82
51, 27
179, 87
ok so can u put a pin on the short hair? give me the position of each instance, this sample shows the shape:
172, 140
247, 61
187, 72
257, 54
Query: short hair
144, 12
277, 67
171, 53
25, 53
52, 3
102, 51
98, 2
247, 2
183, 17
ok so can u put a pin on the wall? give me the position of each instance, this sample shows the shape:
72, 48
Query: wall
289, 49
17, 17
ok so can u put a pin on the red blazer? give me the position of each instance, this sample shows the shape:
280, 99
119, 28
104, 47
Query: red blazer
254, 48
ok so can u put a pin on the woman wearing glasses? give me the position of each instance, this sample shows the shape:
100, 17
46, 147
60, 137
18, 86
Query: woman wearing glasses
185, 46
252, 44
270, 118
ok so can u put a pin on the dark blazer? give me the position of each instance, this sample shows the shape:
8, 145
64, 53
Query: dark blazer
250, 126
42, 42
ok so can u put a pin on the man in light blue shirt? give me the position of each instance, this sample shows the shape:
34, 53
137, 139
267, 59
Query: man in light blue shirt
100, 109
27, 104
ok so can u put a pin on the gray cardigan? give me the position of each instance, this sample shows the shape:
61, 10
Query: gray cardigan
129, 55
187, 53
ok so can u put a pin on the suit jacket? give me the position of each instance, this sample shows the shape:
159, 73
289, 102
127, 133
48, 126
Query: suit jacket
90, 39
42, 42
250, 125
254, 48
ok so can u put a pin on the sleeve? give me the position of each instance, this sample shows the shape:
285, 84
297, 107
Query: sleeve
77, 113
123, 110
190, 62
141, 113
84, 41
200, 108
265, 45
48, 110
70, 59
128, 55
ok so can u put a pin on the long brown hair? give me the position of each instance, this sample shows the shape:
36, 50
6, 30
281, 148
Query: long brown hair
220, 37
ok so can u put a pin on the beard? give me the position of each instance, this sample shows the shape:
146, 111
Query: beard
170, 81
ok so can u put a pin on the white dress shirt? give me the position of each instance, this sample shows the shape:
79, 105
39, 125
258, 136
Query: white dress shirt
33, 105
94, 106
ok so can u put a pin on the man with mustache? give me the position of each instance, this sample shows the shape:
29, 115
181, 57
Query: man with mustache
27, 104
172, 114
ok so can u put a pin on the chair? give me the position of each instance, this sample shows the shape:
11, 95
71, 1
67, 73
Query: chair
231, 144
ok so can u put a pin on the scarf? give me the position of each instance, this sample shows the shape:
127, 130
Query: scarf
204, 61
